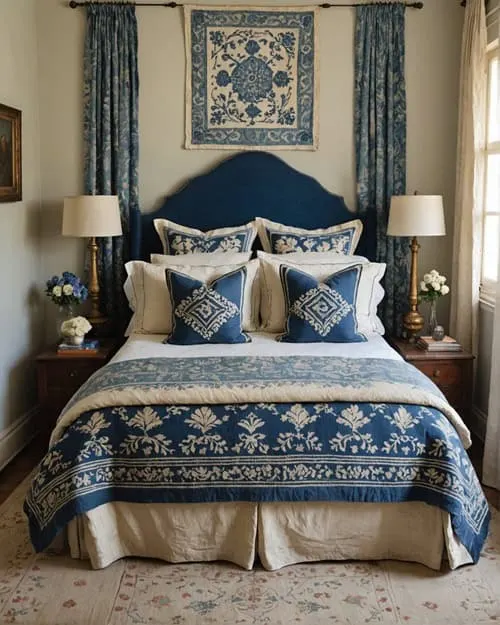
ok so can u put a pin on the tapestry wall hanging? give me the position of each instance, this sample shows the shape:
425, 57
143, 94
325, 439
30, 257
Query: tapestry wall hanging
252, 78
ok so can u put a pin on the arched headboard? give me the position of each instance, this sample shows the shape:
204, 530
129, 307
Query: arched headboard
240, 188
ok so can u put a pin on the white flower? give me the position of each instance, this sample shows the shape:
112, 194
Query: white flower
67, 289
76, 326
445, 289
436, 286
423, 286
57, 291
427, 278
435, 274
442, 279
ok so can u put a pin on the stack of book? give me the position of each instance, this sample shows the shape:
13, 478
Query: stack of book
448, 344
89, 346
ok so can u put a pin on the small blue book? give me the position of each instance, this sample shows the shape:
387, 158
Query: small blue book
88, 344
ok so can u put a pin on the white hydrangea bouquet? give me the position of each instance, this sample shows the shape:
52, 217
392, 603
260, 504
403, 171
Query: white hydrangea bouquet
75, 329
433, 286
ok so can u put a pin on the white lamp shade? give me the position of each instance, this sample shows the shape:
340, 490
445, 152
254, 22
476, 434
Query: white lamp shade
416, 216
91, 216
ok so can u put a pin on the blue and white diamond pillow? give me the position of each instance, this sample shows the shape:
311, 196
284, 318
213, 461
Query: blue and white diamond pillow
206, 313
321, 312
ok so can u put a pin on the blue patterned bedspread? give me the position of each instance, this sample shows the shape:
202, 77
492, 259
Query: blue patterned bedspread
128, 436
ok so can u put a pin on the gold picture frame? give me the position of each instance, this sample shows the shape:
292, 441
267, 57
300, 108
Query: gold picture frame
10, 155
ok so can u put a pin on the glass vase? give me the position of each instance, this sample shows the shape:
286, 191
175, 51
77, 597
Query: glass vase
434, 330
433, 322
63, 314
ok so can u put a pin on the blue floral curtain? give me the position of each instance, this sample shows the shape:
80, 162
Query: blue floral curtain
380, 133
111, 144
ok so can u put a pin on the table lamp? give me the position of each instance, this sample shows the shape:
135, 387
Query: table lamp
92, 216
412, 216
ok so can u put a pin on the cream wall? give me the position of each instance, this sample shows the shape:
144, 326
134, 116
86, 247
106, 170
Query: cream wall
433, 53
21, 318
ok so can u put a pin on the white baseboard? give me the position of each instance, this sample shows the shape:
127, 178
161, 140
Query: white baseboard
14, 438
478, 424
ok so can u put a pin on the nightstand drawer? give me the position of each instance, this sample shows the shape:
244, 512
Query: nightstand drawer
443, 374
59, 377
69, 376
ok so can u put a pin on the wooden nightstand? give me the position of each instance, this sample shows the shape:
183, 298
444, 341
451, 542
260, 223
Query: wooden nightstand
59, 377
451, 371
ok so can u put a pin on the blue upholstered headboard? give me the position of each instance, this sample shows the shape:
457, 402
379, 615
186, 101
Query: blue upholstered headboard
240, 188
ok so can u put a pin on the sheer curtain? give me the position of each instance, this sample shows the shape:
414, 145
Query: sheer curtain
380, 134
469, 181
111, 135
491, 464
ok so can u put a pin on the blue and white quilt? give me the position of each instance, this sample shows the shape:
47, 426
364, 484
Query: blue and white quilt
257, 429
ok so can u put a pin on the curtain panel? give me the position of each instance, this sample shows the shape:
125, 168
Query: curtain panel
111, 135
469, 177
380, 136
491, 462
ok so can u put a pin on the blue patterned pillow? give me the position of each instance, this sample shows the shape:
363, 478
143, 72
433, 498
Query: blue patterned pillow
277, 238
321, 312
206, 313
177, 239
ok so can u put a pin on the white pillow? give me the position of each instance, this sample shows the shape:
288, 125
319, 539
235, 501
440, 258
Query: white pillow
277, 238
147, 292
272, 300
210, 260
177, 239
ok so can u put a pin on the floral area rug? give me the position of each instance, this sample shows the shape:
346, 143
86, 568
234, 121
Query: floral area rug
52, 589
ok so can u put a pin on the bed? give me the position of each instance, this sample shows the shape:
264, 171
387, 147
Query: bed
286, 452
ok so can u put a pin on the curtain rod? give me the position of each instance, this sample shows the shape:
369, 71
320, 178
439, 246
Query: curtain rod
172, 5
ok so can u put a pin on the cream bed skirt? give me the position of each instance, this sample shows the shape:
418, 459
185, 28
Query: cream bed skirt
278, 533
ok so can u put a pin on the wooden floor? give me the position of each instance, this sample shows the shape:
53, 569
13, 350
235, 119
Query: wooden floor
15, 472
22, 464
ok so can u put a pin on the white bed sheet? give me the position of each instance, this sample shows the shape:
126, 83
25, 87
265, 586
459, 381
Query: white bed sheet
263, 344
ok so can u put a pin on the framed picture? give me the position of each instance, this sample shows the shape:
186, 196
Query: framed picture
10, 155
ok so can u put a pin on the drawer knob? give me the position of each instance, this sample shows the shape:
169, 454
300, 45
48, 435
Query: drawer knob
437, 373
72, 374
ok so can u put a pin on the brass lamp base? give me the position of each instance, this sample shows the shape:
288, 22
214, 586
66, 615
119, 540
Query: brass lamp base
413, 322
95, 317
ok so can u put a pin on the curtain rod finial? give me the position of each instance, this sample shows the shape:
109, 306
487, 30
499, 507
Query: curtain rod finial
73, 4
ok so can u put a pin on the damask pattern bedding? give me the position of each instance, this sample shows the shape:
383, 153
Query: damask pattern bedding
257, 429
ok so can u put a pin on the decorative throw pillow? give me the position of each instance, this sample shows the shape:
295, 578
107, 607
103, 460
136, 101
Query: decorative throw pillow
321, 312
207, 260
206, 313
149, 299
277, 238
320, 265
177, 239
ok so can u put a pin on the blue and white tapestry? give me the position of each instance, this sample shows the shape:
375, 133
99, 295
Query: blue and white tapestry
252, 77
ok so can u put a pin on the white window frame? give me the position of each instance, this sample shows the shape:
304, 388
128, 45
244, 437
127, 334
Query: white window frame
488, 288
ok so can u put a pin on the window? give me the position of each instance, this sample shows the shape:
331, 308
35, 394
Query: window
491, 212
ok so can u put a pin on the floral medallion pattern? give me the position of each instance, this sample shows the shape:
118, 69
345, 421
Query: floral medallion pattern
180, 453
252, 78
53, 588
